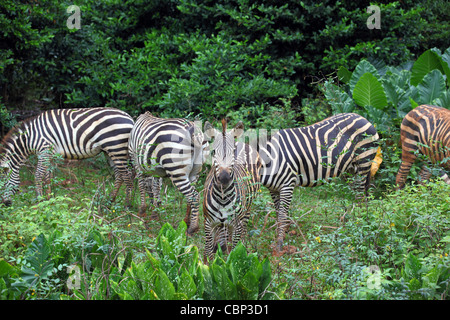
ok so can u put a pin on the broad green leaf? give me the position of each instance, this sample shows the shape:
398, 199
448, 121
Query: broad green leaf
225, 288
413, 103
186, 285
362, 68
444, 100
344, 74
7, 269
412, 267
444, 59
249, 287
428, 61
238, 262
431, 87
266, 276
414, 284
369, 91
431, 278
445, 62
164, 289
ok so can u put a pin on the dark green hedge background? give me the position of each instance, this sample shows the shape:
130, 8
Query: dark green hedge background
257, 61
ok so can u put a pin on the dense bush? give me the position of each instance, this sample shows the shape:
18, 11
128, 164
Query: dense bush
245, 58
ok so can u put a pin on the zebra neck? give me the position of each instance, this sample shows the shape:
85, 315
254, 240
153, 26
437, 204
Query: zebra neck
17, 150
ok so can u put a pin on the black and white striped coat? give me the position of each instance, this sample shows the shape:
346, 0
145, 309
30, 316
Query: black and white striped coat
73, 134
309, 155
171, 148
230, 188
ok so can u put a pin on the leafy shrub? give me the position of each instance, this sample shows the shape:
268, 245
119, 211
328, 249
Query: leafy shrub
399, 237
178, 274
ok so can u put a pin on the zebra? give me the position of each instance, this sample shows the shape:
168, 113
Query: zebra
171, 148
307, 156
425, 130
231, 185
72, 133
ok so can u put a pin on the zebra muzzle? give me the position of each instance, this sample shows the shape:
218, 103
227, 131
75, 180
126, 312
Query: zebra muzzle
224, 177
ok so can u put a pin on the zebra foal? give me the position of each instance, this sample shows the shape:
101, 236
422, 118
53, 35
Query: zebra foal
425, 130
309, 155
230, 187
73, 134
171, 148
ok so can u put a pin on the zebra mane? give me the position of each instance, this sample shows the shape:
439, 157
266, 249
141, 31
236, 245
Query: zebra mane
224, 126
8, 138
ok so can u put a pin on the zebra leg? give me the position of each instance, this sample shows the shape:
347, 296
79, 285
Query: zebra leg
187, 217
424, 174
275, 198
408, 158
42, 175
209, 242
444, 176
193, 206
283, 222
154, 190
121, 174
153, 187
141, 186
192, 210
117, 183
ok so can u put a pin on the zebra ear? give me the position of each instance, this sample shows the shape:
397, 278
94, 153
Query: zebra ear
238, 130
210, 132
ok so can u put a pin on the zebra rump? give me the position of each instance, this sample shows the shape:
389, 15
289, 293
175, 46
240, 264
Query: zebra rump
73, 134
425, 130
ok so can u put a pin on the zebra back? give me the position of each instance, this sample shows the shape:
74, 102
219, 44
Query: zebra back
425, 130
230, 187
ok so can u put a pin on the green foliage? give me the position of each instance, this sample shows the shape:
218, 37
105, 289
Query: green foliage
210, 59
367, 255
177, 273
427, 279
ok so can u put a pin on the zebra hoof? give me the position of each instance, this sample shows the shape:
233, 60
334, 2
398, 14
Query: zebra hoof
279, 250
7, 203
154, 216
191, 230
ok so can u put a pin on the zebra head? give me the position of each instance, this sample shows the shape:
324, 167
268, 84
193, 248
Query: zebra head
223, 150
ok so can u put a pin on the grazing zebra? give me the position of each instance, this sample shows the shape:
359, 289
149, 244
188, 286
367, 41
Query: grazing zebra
425, 130
230, 187
168, 147
309, 155
73, 134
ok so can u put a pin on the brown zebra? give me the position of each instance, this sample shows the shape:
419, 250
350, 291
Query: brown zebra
425, 130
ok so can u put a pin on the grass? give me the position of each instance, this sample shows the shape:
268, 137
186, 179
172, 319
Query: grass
332, 245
